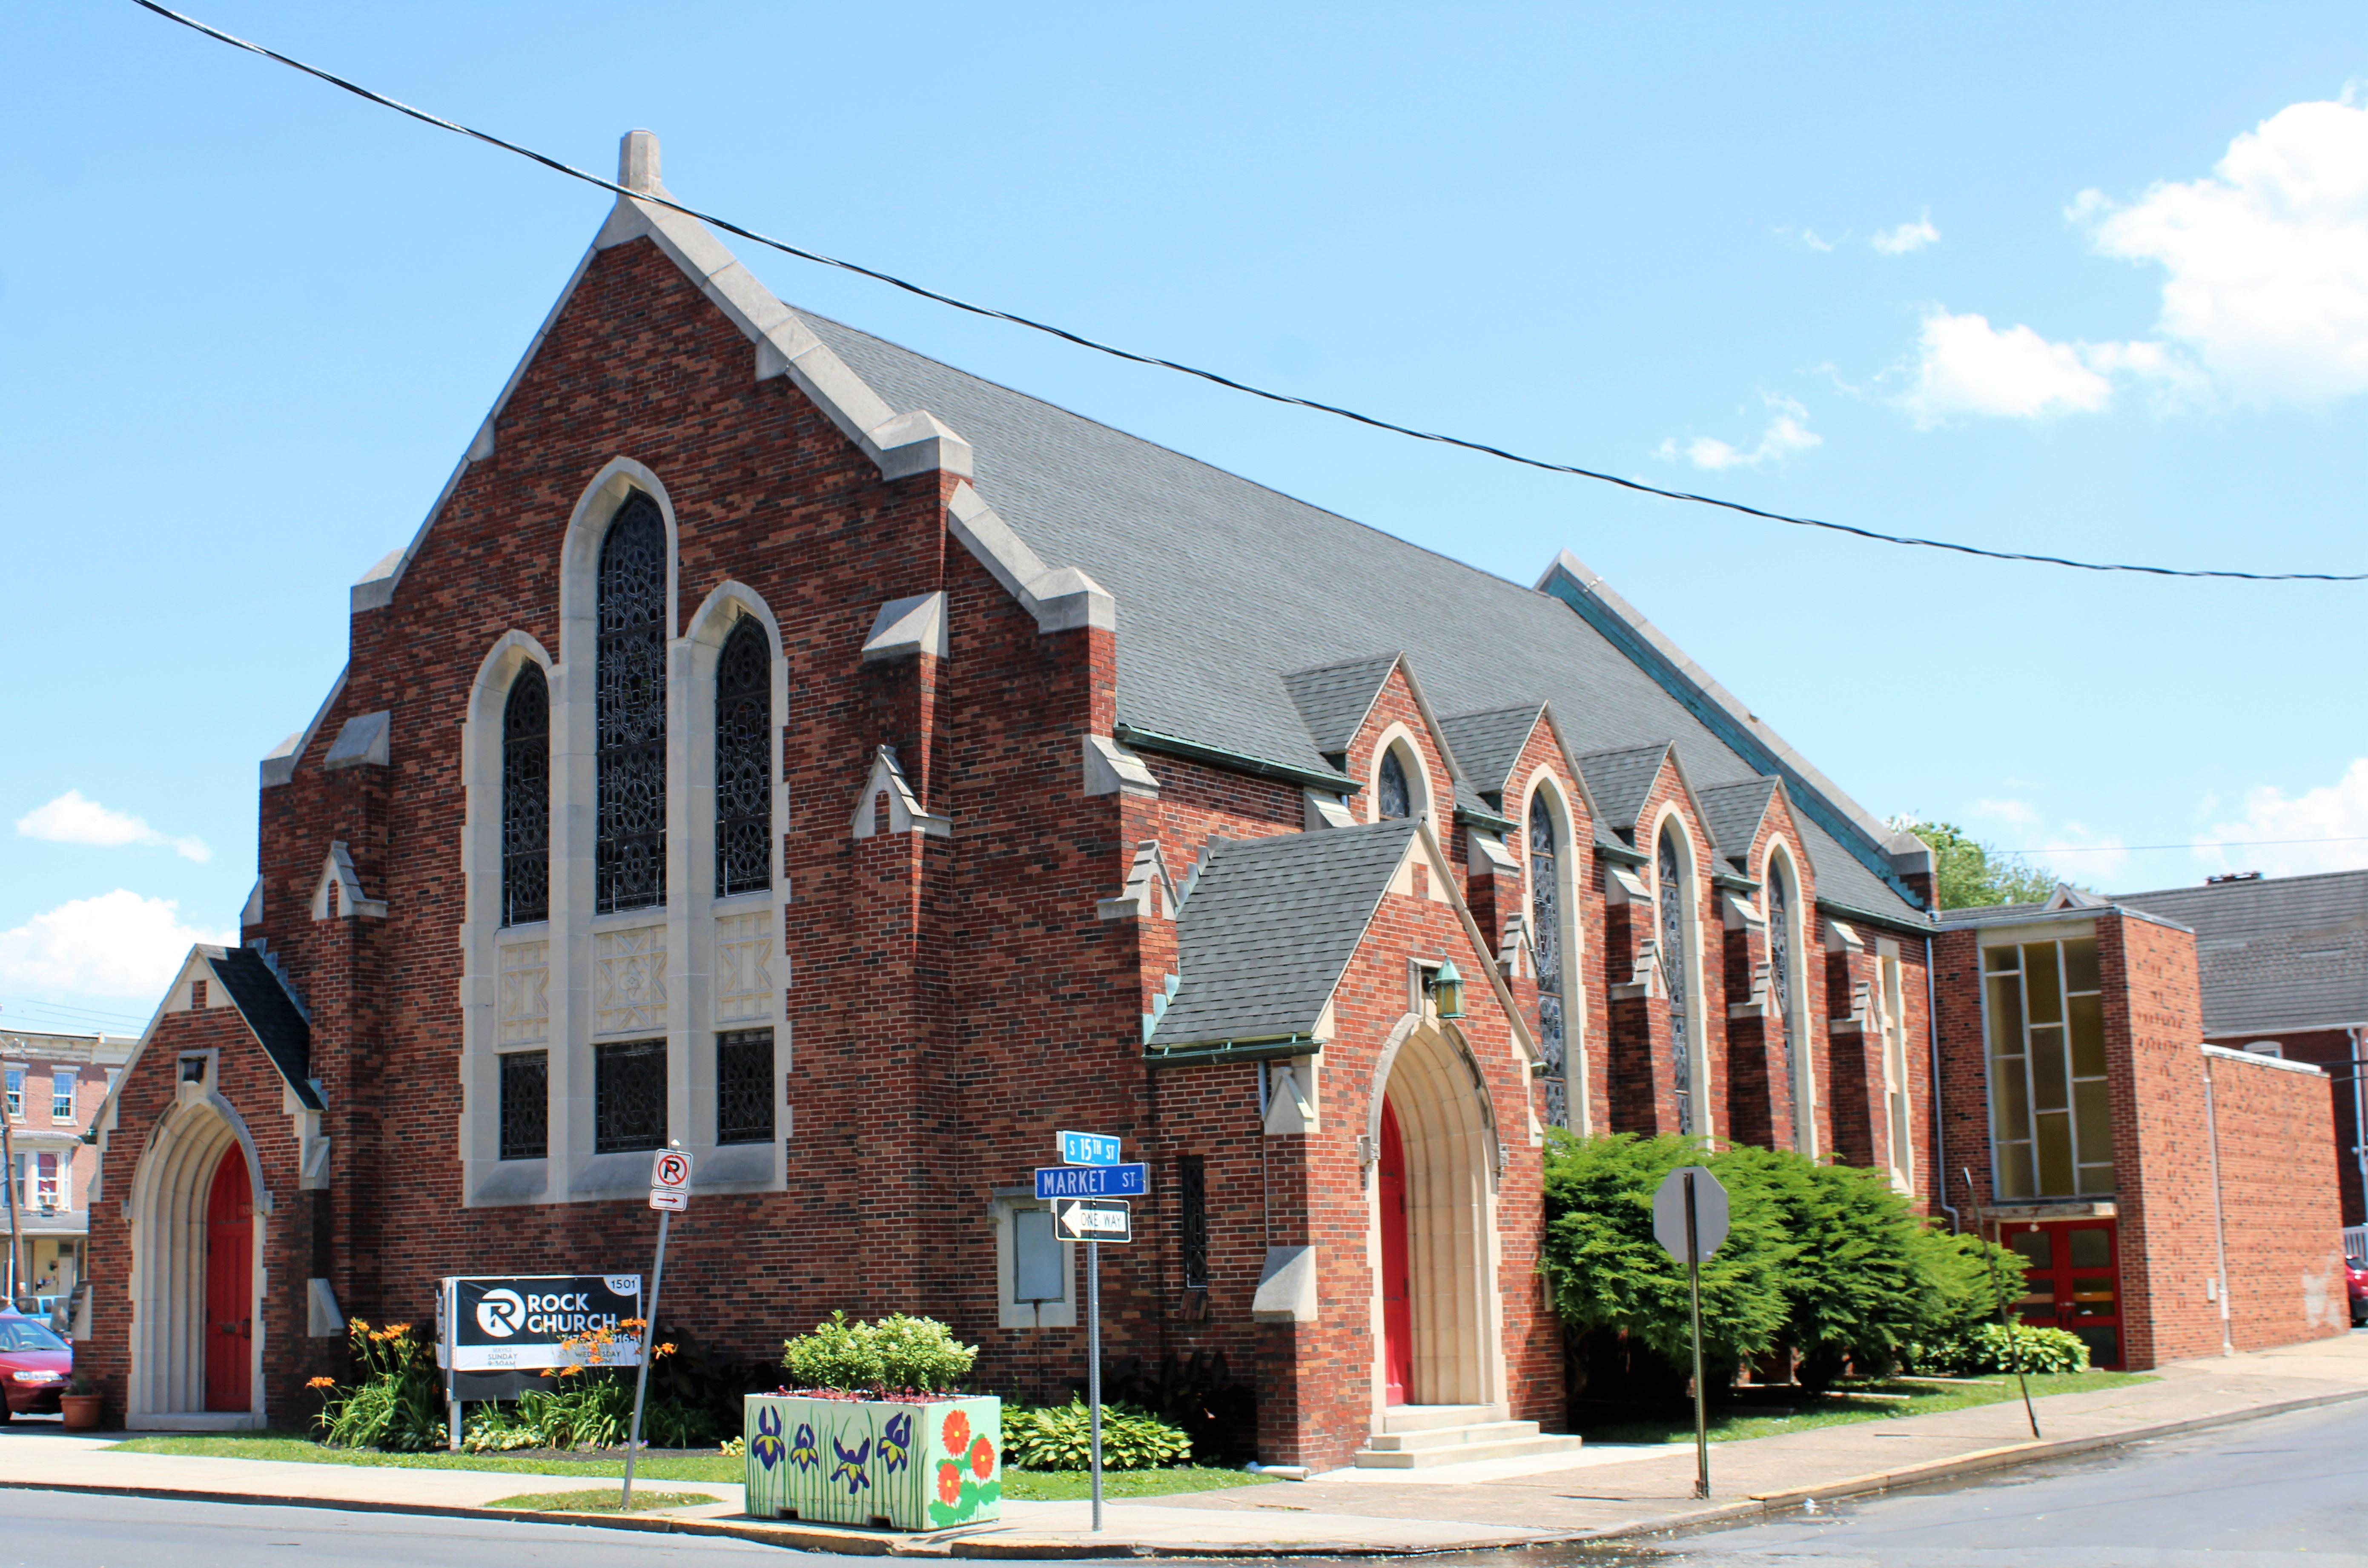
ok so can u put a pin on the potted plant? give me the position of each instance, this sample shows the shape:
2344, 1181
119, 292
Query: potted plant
870, 1430
81, 1401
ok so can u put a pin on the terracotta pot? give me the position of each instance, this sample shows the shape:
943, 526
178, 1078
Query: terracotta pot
81, 1410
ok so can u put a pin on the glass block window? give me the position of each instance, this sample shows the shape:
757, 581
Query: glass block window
1672, 894
2051, 1114
525, 1105
1192, 1219
525, 800
629, 1110
631, 704
744, 762
743, 1087
1395, 800
1546, 936
1779, 989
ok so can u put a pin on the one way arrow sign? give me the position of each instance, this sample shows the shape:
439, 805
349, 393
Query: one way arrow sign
1092, 1220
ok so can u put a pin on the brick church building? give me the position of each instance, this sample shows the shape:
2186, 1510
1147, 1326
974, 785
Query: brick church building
782, 744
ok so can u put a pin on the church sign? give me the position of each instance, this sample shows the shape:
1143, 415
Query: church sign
524, 1321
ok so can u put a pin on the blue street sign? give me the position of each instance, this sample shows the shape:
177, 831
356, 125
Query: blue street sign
1088, 1148
1092, 1181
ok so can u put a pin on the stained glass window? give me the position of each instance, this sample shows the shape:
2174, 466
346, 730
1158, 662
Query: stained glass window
2051, 1114
525, 800
1672, 896
1395, 801
1545, 936
1193, 1214
1780, 986
632, 692
743, 1087
744, 762
629, 1108
525, 1105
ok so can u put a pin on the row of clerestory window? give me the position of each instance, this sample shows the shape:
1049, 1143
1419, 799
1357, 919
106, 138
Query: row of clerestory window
630, 752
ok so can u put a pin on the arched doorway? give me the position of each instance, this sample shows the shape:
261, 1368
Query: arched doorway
230, 1285
1398, 1298
1434, 1239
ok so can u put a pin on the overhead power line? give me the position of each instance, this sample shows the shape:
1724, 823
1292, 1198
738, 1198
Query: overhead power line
2200, 843
1375, 422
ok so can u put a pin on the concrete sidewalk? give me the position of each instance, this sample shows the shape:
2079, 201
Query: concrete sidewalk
1597, 1492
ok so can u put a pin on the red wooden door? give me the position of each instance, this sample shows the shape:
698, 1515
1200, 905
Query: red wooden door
1397, 1302
230, 1286
2072, 1279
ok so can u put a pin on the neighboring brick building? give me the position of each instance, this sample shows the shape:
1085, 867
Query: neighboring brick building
783, 744
2120, 1152
55, 1085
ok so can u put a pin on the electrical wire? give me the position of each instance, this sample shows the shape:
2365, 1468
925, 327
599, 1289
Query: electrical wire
1375, 422
2202, 844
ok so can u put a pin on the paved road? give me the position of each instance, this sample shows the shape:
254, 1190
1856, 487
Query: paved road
2236, 1498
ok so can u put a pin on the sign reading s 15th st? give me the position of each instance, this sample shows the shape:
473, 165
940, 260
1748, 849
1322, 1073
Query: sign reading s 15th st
1092, 1181
1088, 1148
517, 1322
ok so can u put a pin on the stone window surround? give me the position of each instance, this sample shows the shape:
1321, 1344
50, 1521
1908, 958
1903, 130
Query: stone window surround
1785, 861
1421, 793
1892, 1020
685, 926
1544, 781
1010, 1311
1690, 916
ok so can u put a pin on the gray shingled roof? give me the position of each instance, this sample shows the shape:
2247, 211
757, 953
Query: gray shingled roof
287, 1038
1223, 586
1733, 813
1333, 700
1621, 780
1487, 745
2280, 953
1269, 927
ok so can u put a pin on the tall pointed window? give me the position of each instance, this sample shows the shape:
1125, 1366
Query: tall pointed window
1672, 897
1779, 985
1395, 800
744, 762
525, 800
630, 700
1545, 936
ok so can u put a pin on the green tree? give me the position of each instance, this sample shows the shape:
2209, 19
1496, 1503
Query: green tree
1971, 873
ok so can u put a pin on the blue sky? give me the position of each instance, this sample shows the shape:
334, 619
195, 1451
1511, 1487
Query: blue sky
2093, 282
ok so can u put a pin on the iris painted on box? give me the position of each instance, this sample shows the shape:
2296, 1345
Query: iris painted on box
920, 1467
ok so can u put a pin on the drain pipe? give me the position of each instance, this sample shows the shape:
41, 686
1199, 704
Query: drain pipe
1939, 1133
2219, 1226
2359, 1114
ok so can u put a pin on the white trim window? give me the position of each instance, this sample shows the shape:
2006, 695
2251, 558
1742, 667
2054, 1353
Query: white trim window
49, 1181
62, 1094
15, 1094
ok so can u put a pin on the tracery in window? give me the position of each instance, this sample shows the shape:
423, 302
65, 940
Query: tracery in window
743, 1087
1672, 897
631, 717
629, 1097
1779, 985
1192, 1218
744, 762
1546, 936
525, 800
525, 1105
1395, 800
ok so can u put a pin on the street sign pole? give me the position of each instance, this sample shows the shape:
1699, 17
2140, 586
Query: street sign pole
1094, 1363
1693, 1290
649, 1338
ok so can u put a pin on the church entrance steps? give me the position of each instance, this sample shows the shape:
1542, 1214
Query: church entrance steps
1419, 1437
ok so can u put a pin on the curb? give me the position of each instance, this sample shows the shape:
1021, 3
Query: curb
869, 1543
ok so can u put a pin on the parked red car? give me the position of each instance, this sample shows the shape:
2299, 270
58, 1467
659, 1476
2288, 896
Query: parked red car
2357, 1277
34, 1366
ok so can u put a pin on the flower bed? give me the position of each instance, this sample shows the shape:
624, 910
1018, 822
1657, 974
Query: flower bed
921, 1463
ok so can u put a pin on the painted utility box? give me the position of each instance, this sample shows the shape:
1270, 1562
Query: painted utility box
924, 1466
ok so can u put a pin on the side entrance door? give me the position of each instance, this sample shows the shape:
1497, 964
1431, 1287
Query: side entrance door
2072, 1280
230, 1286
1397, 1300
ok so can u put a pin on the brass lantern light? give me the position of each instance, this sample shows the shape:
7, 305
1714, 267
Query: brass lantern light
1447, 990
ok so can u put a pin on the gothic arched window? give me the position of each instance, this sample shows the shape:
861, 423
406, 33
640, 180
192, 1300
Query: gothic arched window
1545, 936
1779, 985
525, 800
744, 762
1395, 800
630, 700
1672, 894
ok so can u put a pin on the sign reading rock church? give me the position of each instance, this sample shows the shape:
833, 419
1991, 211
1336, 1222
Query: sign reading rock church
521, 1322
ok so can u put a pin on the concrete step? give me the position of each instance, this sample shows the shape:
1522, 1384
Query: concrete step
1423, 1417
1465, 1453
1452, 1436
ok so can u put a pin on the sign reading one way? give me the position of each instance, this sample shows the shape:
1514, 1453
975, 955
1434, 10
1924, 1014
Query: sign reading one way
671, 1181
1093, 1220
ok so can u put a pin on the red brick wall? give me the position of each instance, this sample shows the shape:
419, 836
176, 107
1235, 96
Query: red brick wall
2330, 1049
2278, 1180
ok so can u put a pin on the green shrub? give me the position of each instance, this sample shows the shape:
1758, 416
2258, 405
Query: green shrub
1061, 1437
896, 1352
1983, 1348
397, 1403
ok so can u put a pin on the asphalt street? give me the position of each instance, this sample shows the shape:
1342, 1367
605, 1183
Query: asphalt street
2253, 1494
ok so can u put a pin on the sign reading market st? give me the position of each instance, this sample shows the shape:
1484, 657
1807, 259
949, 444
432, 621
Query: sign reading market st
522, 1323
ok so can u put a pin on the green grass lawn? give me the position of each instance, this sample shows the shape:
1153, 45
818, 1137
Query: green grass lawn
1673, 1423
1029, 1485
604, 1501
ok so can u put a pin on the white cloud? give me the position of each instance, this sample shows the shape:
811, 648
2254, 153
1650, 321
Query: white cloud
1788, 432
2019, 812
1807, 237
1966, 366
118, 944
72, 819
1907, 237
2266, 258
2336, 814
